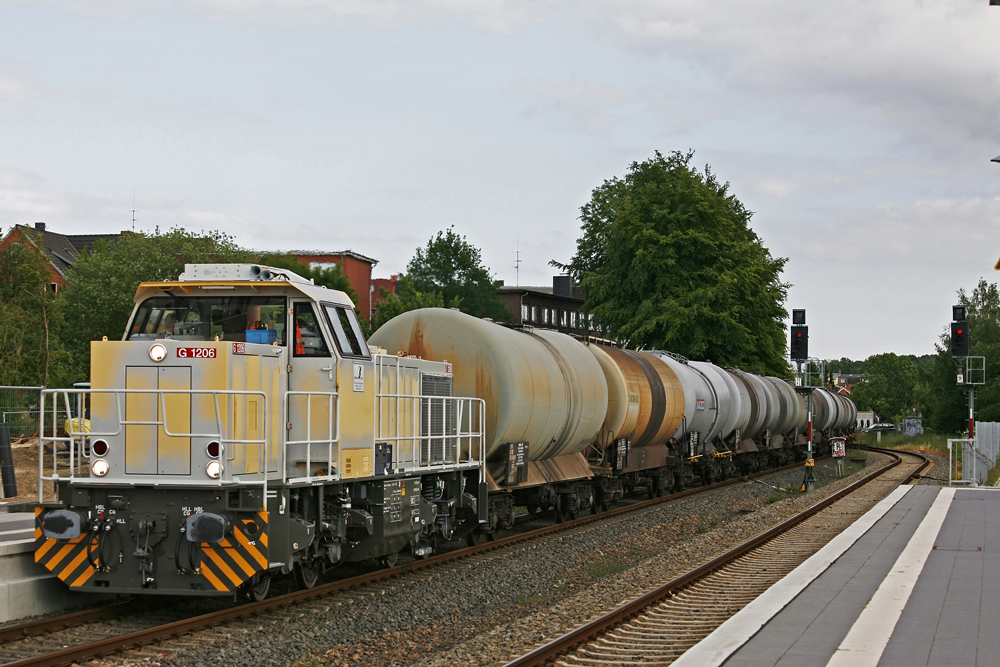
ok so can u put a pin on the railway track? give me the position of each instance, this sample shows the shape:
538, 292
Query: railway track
76, 637
659, 626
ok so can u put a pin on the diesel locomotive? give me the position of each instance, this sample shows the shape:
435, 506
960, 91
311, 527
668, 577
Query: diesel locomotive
243, 428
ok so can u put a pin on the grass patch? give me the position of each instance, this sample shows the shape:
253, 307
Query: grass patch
934, 443
773, 498
605, 568
527, 601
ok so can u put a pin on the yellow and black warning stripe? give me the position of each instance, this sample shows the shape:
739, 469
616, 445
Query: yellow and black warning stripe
70, 560
225, 565
230, 563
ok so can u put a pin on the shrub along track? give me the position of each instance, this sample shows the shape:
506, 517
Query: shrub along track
106, 630
659, 626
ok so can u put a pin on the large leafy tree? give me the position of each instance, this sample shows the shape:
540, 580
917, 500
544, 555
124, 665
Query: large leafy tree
452, 267
668, 260
101, 284
31, 352
889, 386
947, 403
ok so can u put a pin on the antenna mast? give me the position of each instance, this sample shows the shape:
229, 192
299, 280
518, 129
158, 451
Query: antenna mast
133, 210
517, 259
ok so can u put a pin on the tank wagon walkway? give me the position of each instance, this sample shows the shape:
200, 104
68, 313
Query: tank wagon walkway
909, 583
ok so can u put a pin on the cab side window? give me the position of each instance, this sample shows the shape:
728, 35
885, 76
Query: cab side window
308, 336
347, 331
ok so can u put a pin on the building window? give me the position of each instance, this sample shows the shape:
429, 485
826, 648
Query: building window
572, 320
563, 321
534, 313
524, 312
545, 315
53, 287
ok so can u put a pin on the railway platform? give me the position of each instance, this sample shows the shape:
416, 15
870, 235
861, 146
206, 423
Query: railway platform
909, 583
27, 588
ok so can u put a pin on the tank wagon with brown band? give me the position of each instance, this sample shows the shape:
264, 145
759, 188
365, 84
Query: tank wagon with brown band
564, 432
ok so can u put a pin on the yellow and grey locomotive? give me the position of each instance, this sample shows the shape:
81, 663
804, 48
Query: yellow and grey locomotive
241, 428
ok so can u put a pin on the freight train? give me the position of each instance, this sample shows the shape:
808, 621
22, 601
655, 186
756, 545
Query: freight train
244, 428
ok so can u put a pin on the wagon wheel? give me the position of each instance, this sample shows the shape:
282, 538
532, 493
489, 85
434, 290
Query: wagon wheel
388, 561
307, 573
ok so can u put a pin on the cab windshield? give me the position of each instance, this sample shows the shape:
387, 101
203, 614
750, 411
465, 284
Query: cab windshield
233, 318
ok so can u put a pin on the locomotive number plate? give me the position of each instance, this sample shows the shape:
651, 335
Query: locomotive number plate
196, 353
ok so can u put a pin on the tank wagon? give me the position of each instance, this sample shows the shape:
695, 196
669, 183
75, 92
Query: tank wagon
574, 425
243, 428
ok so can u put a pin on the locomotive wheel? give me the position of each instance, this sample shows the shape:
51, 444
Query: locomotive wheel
307, 573
256, 589
388, 561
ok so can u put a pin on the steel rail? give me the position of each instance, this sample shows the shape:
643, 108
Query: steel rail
140, 638
602, 624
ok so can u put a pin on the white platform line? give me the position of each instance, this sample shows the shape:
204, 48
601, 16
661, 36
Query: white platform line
734, 633
870, 634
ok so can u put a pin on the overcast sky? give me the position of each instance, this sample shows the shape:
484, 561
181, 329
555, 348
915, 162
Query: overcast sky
860, 132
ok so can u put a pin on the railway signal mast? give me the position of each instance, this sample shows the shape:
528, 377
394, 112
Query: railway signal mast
798, 352
971, 370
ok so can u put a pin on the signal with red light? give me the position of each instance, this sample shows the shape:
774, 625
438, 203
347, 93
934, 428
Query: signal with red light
799, 347
959, 339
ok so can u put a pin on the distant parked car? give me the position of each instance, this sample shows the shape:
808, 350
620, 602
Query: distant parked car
881, 427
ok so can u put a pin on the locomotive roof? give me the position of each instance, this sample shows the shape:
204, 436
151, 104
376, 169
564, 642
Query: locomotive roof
239, 278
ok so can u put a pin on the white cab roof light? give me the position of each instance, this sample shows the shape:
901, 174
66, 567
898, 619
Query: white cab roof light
240, 272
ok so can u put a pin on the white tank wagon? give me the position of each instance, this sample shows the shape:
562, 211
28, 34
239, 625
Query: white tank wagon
545, 395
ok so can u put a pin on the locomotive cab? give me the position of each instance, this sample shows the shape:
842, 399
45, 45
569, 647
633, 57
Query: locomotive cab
242, 427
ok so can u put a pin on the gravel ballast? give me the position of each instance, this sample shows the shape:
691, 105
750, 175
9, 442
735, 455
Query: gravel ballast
483, 610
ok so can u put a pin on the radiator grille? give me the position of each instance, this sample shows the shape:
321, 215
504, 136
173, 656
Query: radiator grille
437, 420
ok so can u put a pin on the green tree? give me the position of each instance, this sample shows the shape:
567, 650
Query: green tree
330, 277
948, 407
889, 386
406, 298
667, 260
453, 268
31, 319
101, 284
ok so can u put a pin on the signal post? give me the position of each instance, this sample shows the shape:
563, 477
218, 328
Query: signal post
799, 352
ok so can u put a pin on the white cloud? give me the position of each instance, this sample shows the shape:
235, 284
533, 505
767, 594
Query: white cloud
18, 206
775, 187
212, 220
15, 89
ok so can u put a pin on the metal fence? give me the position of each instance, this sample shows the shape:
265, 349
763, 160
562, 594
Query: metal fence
978, 456
19, 410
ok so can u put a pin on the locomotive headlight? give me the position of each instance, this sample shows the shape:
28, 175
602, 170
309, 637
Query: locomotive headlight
100, 467
157, 352
213, 469
100, 447
214, 448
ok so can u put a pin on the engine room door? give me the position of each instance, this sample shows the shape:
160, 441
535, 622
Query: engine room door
312, 399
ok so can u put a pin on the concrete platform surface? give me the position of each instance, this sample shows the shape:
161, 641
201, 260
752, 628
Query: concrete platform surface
907, 584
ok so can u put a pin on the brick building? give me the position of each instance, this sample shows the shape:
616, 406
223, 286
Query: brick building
60, 249
557, 307
355, 266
